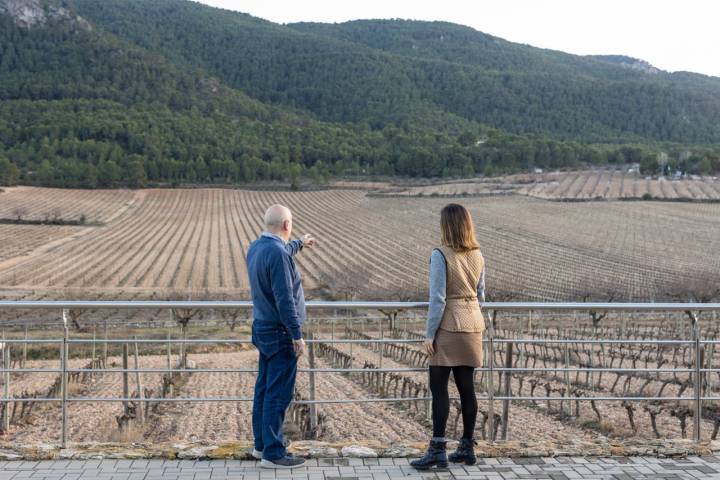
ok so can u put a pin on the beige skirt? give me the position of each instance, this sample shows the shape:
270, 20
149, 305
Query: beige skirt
455, 349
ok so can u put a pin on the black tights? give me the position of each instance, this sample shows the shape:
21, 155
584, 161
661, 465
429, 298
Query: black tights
439, 378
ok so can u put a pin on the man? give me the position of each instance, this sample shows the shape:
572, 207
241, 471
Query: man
278, 315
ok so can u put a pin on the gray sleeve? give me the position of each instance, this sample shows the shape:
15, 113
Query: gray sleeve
437, 293
481, 288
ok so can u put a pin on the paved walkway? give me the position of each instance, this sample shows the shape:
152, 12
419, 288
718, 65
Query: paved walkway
620, 468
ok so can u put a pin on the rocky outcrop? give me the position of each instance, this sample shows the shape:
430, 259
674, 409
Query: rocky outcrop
31, 13
629, 62
315, 449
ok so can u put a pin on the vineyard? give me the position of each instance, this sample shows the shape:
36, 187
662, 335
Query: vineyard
544, 413
572, 186
191, 244
17, 240
158, 244
613, 184
46, 204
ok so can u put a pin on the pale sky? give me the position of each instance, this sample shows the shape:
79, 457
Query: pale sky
671, 35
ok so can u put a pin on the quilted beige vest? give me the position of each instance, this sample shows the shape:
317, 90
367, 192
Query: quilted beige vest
462, 310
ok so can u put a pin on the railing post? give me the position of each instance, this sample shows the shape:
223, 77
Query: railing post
381, 350
64, 378
126, 380
507, 391
6, 386
311, 383
490, 380
591, 364
567, 376
138, 383
25, 348
697, 414
93, 365
332, 328
169, 355
105, 346
351, 345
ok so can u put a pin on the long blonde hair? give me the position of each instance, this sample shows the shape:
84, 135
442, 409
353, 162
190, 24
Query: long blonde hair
457, 230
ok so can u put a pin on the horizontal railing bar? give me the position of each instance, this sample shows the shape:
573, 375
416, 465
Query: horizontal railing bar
33, 340
365, 370
31, 370
236, 370
159, 340
498, 306
355, 341
592, 341
233, 341
352, 370
30, 399
598, 369
349, 370
603, 399
350, 400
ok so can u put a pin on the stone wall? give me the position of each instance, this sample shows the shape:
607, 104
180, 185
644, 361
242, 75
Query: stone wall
314, 449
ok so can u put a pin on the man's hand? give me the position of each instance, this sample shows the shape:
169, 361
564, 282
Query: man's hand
299, 347
428, 344
308, 240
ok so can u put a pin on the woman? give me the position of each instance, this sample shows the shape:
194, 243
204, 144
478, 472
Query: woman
454, 337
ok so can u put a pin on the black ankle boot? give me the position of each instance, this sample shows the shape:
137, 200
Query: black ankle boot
465, 452
434, 457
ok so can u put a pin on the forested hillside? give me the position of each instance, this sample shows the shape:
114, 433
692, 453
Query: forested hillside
83, 108
133, 92
525, 89
391, 70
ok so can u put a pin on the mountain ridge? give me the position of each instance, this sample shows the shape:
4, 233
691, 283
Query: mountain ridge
172, 91
508, 86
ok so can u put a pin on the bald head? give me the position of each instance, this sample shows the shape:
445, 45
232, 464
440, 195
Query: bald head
278, 220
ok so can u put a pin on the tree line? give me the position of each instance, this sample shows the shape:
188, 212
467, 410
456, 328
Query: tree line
93, 155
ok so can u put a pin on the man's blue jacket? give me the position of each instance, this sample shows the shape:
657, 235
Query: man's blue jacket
275, 285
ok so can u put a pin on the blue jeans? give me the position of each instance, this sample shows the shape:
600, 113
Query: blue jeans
273, 390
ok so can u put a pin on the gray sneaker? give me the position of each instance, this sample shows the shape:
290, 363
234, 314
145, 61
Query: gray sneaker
283, 463
257, 454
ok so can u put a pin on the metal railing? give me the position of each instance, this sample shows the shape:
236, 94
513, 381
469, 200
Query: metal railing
690, 309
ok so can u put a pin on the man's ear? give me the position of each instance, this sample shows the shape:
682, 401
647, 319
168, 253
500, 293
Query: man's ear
286, 225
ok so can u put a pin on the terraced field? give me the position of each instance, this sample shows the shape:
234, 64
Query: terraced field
608, 184
615, 184
155, 243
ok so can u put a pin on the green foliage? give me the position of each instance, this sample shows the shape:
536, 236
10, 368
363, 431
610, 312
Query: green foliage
136, 172
649, 165
175, 92
108, 173
294, 171
9, 172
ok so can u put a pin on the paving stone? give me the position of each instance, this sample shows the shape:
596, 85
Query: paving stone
502, 468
